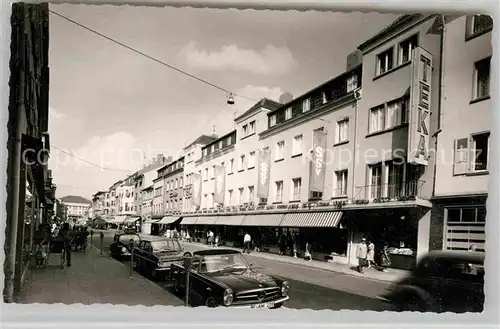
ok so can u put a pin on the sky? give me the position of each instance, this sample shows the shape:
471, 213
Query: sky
113, 108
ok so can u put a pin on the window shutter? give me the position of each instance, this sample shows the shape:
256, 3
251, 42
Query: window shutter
461, 156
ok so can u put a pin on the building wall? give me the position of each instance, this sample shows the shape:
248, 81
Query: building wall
459, 117
298, 166
173, 191
127, 199
158, 197
377, 90
77, 209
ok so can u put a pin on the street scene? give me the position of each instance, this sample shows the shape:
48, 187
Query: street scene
214, 158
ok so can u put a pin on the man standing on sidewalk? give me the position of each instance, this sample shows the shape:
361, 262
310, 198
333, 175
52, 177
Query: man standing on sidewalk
246, 242
361, 254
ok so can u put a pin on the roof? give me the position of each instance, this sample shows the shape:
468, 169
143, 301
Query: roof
394, 26
219, 139
264, 102
75, 199
211, 252
203, 140
473, 256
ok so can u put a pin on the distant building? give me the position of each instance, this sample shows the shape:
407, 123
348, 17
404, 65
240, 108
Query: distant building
77, 207
98, 205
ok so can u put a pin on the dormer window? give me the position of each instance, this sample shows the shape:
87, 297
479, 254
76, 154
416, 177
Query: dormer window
272, 120
352, 82
306, 105
288, 113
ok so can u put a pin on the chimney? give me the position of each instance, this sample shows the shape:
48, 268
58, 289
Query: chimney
286, 97
354, 59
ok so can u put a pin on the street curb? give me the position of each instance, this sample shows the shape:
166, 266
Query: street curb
312, 267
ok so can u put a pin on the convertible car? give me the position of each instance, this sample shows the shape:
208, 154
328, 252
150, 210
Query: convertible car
223, 277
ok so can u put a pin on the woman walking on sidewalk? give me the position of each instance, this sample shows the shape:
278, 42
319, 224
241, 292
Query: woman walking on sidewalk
361, 254
67, 237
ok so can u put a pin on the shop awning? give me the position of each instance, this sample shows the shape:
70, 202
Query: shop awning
235, 220
206, 220
167, 220
151, 221
262, 220
189, 220
312, 219
99, 221
131, 219
119, 219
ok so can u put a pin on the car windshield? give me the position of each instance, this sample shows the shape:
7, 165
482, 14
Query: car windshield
125, 238
220, 263
165, 245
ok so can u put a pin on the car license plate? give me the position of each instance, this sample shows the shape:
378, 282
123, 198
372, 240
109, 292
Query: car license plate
265, 305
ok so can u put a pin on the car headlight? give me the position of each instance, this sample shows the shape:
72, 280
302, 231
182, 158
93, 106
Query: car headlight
285, 288
228, 297
124, 250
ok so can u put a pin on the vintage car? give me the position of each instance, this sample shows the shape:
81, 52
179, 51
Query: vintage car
443, 281
120, 247
223, 277
154, 255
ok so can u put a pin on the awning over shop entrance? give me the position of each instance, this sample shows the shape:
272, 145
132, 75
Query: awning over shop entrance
167, 220
131, 219
312, 219
151, 221
119, 219
189, 220
230, 220
262, 220
206, 220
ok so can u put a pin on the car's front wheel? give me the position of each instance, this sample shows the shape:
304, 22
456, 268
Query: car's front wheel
211, 302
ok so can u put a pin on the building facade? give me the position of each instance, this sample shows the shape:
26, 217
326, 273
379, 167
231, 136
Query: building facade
98, 204
173, 187
77, 208
157, 210
463, 163
192, 152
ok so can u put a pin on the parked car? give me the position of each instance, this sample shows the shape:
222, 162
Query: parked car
120, 247
443, 281
154, 255
223, 277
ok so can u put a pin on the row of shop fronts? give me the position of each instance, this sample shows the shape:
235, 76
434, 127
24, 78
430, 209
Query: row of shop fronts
333, 234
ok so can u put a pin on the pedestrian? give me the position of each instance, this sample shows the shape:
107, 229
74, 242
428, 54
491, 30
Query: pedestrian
294, 245
307, 252
282, 244
247, 239
361, 254
370, 257
67, 238
217, 240
385, 261
211, 238
42, 240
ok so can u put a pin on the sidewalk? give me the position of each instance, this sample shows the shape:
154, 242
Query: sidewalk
392, 275
91, 279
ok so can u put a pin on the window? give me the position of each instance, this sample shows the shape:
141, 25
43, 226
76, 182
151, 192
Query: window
272, 120
212, 173
212, 148
384, 61
324, 97
480, 151
297, 145
482, 78
229, 140
250, 193
280, 150
230, 197
245, 130
176, 183
204, 152
340, 183
279, 191
306, 105
288, 113
251, 127
180, 182
405, 49
377, 119
220, 146
352, 82
205, 174
375, 181
251, 160
395, 186
478, 24
241, 190
396, 113
231, 166
342, 131
242, 163
297, 184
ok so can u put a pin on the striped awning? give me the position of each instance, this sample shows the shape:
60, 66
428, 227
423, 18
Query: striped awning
206, 220
312, 219
262, 220
189, 220
150, 221
234, 220
131, 219
167, 220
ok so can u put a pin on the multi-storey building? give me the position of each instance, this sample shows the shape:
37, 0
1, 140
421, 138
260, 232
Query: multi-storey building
173, 183
157, 210
77, 207
107, 204
98, 204
192, 153
463, 144
144, 178
28, 140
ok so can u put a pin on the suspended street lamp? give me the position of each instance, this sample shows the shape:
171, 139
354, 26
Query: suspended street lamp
230, 99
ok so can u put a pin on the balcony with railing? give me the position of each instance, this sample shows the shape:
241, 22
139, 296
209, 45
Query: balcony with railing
406, 191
